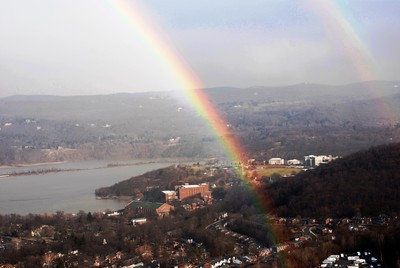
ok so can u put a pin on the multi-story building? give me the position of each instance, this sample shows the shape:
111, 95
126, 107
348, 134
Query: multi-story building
316, 160
170, 196
186, 191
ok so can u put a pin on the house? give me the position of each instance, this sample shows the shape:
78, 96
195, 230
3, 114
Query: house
281, 247
170, 196
137, 221
164, 209
148, 208
265, 252
251, 161
293, 162
114, 213
276, 161
360, 259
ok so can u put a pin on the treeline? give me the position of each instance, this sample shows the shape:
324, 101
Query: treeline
91, 235
148, 181
150, 184
366, 183
288, 122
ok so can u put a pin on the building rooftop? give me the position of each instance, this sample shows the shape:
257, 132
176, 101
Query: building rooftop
169, 192
360, 260
190, 186
141, 204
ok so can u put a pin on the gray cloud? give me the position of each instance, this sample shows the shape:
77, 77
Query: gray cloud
86, 47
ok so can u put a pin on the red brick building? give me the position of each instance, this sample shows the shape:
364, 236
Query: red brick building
164, 209
186, 191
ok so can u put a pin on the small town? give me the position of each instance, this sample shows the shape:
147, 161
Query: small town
206, 224
201, 134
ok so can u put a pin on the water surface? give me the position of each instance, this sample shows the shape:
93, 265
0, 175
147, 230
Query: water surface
69, 191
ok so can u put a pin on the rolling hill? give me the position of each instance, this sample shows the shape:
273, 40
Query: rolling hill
287, 122
366, 183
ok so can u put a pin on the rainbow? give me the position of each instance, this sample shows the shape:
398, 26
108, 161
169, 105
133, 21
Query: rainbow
137, 17
337, 25
346, 36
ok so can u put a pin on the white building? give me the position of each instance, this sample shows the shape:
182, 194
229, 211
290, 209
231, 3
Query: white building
276, 161
138, 221
316, 160
293, 162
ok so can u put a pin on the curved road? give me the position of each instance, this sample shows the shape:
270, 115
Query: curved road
309, 232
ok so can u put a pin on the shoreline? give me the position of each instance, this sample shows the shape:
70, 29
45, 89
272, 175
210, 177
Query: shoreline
33, 164
4, 176
42, 164
107, 165
121, 198
110, 164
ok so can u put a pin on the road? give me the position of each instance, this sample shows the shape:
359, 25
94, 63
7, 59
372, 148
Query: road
308, 231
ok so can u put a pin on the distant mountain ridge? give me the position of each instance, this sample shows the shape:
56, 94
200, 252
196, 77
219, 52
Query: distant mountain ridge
381, 88
288, 122
366, 183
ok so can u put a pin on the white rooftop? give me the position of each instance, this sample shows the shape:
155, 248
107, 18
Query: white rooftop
169, 192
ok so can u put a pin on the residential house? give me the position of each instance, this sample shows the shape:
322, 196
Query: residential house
137, 221
141, 208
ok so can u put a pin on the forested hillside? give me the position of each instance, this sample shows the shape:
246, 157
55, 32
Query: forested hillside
163, 178
287, 122
366, 183
153, 182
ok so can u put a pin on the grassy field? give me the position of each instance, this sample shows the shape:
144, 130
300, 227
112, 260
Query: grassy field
279, 170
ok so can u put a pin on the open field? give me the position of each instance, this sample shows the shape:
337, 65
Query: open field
283, 171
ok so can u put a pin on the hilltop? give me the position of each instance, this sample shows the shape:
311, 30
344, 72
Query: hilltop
150, 184
164, 178
365, 183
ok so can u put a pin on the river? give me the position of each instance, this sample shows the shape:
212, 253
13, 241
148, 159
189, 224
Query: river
68, 191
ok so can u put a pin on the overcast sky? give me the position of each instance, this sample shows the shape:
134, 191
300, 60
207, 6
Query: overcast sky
75, 47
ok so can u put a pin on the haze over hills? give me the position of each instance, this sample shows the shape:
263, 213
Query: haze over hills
287, 122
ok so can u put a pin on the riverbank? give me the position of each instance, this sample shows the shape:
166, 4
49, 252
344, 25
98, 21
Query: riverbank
121, 198
4, 176
33, 164
105, 164
38, 172
111, 162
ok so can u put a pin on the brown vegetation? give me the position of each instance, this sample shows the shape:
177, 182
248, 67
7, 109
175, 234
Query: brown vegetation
366, 183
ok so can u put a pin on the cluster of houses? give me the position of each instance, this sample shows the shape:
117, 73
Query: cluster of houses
308, 161
181, 195
229, 261
361, 259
